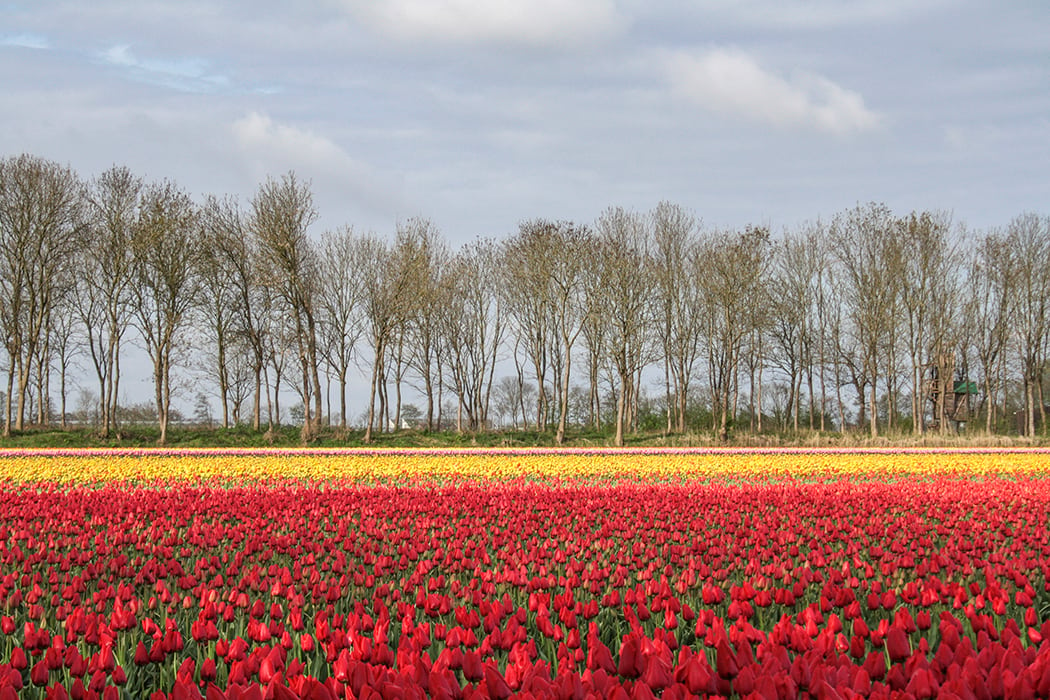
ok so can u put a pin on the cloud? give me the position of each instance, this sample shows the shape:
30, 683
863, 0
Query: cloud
272, 148
732, 82
816, 14
185, 74
258, 132
536, 23
25, 41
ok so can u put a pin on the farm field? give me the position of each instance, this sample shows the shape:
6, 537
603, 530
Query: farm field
531, 573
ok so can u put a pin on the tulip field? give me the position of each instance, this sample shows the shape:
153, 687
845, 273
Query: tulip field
479, 574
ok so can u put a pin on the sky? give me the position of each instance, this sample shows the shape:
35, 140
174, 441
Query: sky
480, 114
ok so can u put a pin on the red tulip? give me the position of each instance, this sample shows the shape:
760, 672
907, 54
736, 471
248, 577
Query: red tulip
57, 692
39, 674
630, 665
726, 662
496, 684
897, 645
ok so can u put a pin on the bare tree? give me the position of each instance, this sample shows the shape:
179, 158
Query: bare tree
282, 211
929, 270
813, 272
340, 295
235, 259
220, 307
545, 291
675, 239
423, 257
529, 257
415, 255
240, 376
569, 308
732, 267
792, 276
1028, 240
623, 290
867, 254
475, 326
41, 225
64, 346
383, 296
105, 271
594, 335
987, 315
509, 396
166, 246
281, 347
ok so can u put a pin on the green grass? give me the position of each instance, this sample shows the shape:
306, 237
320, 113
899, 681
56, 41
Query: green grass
289, 436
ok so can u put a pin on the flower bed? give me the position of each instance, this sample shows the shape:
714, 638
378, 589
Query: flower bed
412, 466
490, 575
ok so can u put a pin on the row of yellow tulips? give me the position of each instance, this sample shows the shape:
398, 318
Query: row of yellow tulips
441, 466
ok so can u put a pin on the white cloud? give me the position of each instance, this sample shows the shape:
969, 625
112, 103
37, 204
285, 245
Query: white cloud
542, 23
732, 82
817, 14
186, 74
271, 148
119, 56
259, 133
25, 41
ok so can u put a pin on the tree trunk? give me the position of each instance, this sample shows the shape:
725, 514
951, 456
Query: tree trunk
874, 417
1039, 396
441, 396
636, 397
315, 374
372, 397
595, 396
758, 401
621, 407
723, 423
989, 401
751, 399
429, 388
158, 382
682, 389
44, 377
23, 383
839, 401
812, 398
276, 417
307, 429
105, 380
823, 387
269, 402
62, 392
397, 397
257, 400
7, 401
667, 391
1029, 391
563, 402
384, 411
342, 398
916, 397
541, 399
114, 408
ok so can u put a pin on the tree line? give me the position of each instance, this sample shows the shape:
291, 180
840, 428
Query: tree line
870, 320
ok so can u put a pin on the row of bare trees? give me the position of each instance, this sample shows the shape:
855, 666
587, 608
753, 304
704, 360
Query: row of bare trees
868, 319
